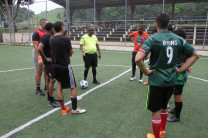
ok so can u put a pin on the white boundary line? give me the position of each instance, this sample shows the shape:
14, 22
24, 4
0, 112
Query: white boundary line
16, 70
54, 110
198, 78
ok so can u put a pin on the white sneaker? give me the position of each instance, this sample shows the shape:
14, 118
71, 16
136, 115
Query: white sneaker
132, 78
78, 111
140, 80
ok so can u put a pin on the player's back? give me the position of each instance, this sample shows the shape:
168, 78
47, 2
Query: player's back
165, 49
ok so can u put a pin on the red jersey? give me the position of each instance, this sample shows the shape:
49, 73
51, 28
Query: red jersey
37, 35
138, 40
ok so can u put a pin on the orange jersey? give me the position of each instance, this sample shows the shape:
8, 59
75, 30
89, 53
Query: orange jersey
138, 40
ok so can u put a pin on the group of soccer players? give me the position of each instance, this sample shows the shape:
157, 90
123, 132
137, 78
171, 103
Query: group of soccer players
51, 54
170, 59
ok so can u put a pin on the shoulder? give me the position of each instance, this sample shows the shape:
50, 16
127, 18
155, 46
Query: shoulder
84, 36
146, 34
134, 33
36, 33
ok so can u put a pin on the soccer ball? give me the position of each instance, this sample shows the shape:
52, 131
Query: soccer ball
83, 84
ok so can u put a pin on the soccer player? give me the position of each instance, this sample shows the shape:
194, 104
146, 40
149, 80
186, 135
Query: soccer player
45, 52
181, 81
138, 38
61, 52
88, 46
36, 37
165, 48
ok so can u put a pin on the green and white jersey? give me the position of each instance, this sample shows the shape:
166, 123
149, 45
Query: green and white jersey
165, 48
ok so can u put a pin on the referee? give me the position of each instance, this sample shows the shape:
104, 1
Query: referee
88, 46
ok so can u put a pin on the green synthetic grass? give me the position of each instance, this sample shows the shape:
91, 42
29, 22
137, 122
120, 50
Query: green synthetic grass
114, 110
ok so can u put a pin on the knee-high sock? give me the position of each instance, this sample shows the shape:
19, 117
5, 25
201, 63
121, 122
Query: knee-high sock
156, 123
94, 73
85, 73
178, 108
164, 116
74, 102
141, 74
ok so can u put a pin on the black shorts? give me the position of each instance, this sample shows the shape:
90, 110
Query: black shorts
65, 75
178, 89
90, 60
158, 97
49, 69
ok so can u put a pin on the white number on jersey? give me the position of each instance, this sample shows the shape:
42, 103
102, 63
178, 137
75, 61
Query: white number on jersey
169, 53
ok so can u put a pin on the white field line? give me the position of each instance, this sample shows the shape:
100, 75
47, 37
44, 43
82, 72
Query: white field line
203, 58
198, 78
4, 71
54, 110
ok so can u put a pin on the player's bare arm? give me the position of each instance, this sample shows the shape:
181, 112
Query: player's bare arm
99, 53
35, 45
71, 52
131, 38
140, 63
40, 50
82, 49
189, 62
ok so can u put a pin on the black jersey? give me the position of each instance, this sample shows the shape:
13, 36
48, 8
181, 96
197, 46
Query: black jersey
60, 48
45, 41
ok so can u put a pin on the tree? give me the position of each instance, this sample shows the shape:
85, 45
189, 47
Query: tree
11, 14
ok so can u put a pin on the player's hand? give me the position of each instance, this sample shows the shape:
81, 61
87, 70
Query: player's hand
190, 70
72, 51
99, 56
83, 53
49, 59
177, 70
40, 61
149, 72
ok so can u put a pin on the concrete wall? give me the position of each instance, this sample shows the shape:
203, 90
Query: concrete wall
19, 38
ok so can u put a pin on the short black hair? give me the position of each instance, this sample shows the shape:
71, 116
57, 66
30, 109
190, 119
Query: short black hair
42, 20
170, 27
49, 26
65, 32
154, 30
180, 32
141, 27
162, 20
57, 26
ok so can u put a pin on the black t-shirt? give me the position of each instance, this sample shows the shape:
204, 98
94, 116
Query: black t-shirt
45, 41
60, 47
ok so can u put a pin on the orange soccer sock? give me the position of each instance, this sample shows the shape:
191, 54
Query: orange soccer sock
164, 116
156, 123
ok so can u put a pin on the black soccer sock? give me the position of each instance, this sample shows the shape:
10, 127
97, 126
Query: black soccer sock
141, 74
86, 73
48, 95
178, 108
94, 74
38, 86
50, 98
74, 102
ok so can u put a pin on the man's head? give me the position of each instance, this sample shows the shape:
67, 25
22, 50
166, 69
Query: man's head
59, 27
43, 22
180, 32
90, 30
50, 28
140, 30
162, 21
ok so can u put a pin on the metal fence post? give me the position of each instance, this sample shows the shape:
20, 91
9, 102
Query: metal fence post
125, 19
163, 6
67, 16
205, 33
95, 16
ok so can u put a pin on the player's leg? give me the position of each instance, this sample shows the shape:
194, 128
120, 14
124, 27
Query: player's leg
38, 75
47, 80
65, 110
154, 104
51, 98
94, 65
167, 93
133, 77
141, 76
87, 66
178, 104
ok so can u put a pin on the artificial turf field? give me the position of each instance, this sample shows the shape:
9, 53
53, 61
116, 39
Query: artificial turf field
116, 109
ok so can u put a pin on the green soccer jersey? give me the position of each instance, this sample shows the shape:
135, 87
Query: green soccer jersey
165, 48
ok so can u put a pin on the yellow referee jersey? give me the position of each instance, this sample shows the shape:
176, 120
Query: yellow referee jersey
89, 43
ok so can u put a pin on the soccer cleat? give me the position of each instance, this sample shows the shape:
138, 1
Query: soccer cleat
64, 112
54, 99
96, 82
145, 83
140, 80
173, 119
40, 92
78, 111
53, 104
172, 111
132, 78
162, 134
149, 135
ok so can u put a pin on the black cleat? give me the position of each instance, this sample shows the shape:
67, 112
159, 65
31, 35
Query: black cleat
54, 99
172, 111
173, 119
96, 82
53, 104
40, 92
